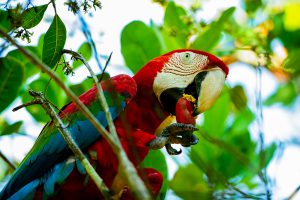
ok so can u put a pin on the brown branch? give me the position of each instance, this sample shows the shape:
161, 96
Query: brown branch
294, 193
10, 164
105, 66
33, 102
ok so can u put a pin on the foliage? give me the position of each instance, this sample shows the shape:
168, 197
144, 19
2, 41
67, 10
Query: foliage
228, 162
54, 42
139, 45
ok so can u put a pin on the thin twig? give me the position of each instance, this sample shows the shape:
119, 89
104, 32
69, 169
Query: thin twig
39, 98
33, 102
127, 167
54, 6
294, 193
10, 164
135, 183
106, 64
259, 119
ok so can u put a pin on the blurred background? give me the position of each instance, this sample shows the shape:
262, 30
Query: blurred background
249, 140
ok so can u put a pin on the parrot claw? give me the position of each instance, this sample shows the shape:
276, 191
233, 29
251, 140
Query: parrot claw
171, 150
176, 133
189, 139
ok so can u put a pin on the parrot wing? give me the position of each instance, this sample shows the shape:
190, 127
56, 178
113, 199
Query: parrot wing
51, 149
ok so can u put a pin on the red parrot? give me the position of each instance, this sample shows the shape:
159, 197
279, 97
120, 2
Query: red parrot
176, 86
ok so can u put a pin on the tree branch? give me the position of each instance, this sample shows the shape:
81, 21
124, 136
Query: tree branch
294, 193
10, 164
135, 183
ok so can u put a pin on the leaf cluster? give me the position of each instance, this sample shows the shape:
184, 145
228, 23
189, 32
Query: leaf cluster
18, 74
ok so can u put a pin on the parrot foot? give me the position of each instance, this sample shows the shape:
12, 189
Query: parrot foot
171, 150
176, 133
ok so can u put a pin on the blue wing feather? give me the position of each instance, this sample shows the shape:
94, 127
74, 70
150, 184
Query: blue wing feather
27, 192
53, 151
60, 172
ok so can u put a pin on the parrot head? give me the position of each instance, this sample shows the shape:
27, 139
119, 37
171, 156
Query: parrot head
197, 75
121, 84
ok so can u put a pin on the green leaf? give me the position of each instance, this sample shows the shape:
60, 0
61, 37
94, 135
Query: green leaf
11, 76
173, 17
285, 94
139, 44
252, 5
82, 87
156, 160
173, 23
289, 38
86, 51
30, 69
32, 16
5, 23
242, 145
54, 42
189, 183
53, 94
242, 122
292, 62
204, 152
12, 128
215, 118
3, 123
268, 154
41, 43
210, 36
238, 97
158, 32
212, 154
170, 42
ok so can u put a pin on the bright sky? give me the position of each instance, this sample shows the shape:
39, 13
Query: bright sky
106, 26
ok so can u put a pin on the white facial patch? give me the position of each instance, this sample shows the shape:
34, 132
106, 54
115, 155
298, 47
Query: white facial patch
185, 63
164, 81
179, 71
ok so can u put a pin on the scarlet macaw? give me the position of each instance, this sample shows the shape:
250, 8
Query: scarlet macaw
180, 84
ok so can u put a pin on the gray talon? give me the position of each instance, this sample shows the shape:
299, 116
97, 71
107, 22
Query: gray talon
189, 139
172, 151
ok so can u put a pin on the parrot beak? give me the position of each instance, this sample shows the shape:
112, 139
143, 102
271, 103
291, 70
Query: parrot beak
205, 88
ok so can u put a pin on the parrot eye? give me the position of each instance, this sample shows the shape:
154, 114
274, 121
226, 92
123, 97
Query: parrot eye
187, 58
